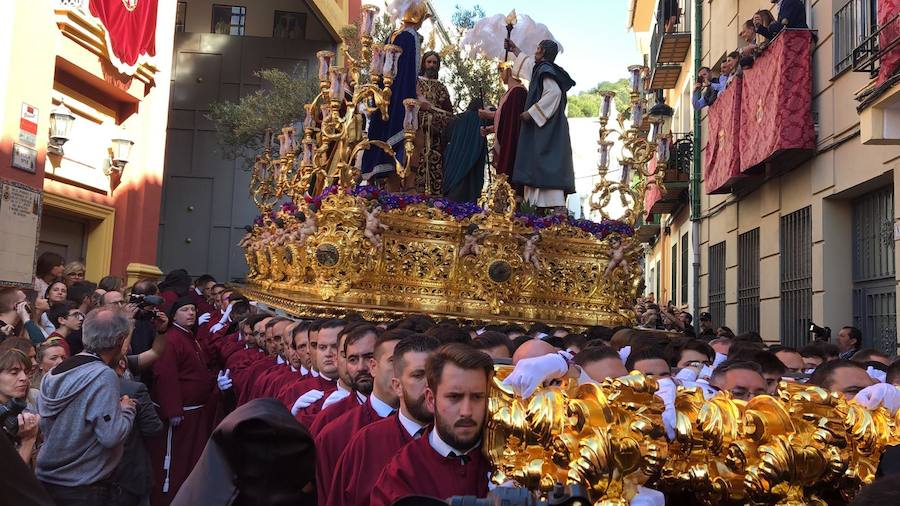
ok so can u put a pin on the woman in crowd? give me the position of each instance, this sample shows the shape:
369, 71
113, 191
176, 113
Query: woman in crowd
49, 354
73, 272
112, 284
14, 369
56, 293
49, 266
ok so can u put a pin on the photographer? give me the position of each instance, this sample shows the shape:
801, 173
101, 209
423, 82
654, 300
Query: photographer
150, 324
15, 316
704, 95
17, 425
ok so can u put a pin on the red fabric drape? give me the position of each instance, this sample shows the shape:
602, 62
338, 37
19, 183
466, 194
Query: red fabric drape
776, 102
890, 61
653, 193
722, 160
130, 30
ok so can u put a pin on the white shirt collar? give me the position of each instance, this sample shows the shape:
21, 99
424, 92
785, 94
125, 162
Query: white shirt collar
279, 360
303, 371
361, 398
182, 328
315, 373
411, 426
382, 408
443, 448
340, 385
198, 291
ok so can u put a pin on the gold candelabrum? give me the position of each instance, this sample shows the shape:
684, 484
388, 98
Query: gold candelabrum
803, 446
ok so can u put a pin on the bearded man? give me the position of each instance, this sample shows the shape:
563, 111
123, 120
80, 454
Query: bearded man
544, 150
434, 116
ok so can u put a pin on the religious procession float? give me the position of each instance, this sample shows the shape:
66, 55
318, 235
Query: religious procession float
327, 243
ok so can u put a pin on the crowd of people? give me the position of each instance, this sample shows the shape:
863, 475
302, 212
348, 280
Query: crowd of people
755, 35
186, 392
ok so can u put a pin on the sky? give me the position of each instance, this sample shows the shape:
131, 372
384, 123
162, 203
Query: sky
597, 45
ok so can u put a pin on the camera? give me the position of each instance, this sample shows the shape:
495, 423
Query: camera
9, 416
819, 333
147, 306
562, 495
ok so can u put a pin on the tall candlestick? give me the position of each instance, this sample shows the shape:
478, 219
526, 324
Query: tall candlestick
367, 23
634, 78
325, 60
606, 100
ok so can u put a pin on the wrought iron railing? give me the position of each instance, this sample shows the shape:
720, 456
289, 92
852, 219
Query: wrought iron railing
662, 28
867, 55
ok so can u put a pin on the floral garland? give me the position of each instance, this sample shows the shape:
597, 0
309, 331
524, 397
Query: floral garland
460, 211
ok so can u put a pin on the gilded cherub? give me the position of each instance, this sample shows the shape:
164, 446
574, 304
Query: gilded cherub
616, 256
470, 241
530, 251
249, 238
309, 228
374, 227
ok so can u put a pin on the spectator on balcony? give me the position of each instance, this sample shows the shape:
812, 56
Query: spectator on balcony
670, 14
751, 49
704, 95
730, 70
791, 14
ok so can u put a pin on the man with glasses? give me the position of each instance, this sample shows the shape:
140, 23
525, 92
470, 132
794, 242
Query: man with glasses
743, 379
67, 318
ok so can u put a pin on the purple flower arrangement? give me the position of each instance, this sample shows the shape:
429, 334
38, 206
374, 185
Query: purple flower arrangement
458, 210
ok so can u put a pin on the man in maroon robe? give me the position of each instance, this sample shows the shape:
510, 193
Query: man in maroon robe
275, 351
325, 382
373, 446
506, 120
449, 461
369, 357
253, 351
185, 391
271, 381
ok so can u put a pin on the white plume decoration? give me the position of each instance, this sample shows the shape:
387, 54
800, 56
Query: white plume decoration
487, 36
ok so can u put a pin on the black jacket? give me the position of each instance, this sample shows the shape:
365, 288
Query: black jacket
135, 473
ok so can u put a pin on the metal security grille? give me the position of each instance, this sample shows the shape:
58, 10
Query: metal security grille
716, 282
853, 24
748, 281
796, 277
874, 287
674, 296
658, 282
684, 268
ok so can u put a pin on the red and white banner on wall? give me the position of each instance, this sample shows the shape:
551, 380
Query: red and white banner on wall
130, 30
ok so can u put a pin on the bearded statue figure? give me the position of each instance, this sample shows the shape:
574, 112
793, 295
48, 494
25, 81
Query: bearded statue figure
434, 117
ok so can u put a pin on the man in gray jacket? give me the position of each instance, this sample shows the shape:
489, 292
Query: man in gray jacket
84, 420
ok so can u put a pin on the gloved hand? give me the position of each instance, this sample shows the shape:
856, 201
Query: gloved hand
876, 374
719, 359
175, 421
226, 316
335, 396
223, 380
881, 394
666, 391
687, 374
306, 400
648, 497
529, 373
708, 390
203, 318
624, 353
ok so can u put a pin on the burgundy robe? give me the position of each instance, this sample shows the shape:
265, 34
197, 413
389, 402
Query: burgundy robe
507, 129
277, 381
239, 361
289, 394
325, 416
333, 439
248, 377
261, 382
228, 346
417, 469
201, 304
182, 386
371, 448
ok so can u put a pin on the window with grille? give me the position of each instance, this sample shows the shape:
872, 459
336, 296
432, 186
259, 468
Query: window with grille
796, 277
874, 285
674, 295
716, 282
853, 24
228, 19
748, 281
180, 13
684, 268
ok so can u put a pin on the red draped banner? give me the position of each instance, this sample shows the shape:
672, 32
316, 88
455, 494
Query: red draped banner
653, 193
130, 27
722, 160
890, 61
776, 102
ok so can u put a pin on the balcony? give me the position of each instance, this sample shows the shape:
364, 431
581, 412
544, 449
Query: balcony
667, 198
879, 103
646, 228
669, 47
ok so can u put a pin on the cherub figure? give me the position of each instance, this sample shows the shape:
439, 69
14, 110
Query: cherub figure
470, 241
616, 256
248, 240
374, 227
309, 228
530, 252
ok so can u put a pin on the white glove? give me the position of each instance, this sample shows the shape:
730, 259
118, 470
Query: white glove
227, 313
217, 327
719, 359
648, 497
876, 374
335, 396
529, 373
203, 318
881, 394
705, 373
175, 421
687, 374
223, 380
666, 391
708, 390
306, 400
624, 353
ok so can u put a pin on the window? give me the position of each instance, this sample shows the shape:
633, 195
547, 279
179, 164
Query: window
748, 281
716, 283
684, 268
796, 277
289, 25
853, 24
674, 295
180, 13
874, 284
228, 19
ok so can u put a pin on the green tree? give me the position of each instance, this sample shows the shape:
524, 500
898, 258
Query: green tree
468, 77
587, 103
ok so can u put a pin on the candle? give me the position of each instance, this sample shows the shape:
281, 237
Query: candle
337, 84
604, 154
635, 78
308, 151
391, 56
282, 148
325, 60
367, 25
653, 134
310, 120
637, 114
411, 116
626, 172
377, 64
662, 150
606, 99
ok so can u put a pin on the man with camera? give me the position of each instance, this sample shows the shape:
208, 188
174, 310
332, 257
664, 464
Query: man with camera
84, 420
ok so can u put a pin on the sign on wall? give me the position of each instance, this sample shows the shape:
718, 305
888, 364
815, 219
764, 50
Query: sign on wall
20, 219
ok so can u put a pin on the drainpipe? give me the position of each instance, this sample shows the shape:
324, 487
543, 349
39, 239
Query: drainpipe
695, 172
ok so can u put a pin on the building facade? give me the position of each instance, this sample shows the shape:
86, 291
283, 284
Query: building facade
94, 207
799, 236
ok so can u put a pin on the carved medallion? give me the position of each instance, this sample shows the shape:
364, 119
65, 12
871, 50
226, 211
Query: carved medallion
327, 255
499, 271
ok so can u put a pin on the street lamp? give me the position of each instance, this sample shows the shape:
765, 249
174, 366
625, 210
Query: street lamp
61, 120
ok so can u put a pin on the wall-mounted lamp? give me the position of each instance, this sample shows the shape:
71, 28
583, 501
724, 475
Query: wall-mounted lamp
61, 120
119, 153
